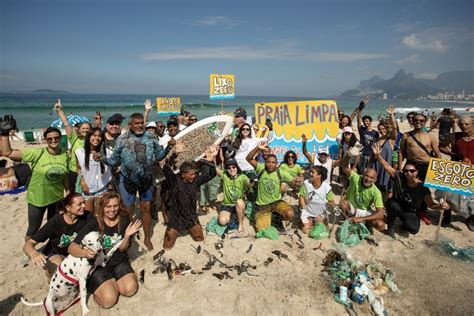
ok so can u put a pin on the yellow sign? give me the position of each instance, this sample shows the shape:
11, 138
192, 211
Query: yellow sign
221, 86
317, 119
168, 105
450, 176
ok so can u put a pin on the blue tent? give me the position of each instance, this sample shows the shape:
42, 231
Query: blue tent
72, 119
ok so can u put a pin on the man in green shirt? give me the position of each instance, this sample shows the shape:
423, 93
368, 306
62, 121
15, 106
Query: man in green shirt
361, 195
269, 189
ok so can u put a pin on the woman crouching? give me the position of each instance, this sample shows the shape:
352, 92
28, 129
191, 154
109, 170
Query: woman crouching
117, 277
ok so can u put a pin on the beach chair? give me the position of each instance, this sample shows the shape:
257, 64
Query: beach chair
29, 137
64, 143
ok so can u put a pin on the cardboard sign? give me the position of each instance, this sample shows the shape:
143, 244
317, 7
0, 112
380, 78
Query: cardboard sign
317, 119
451, 176
221, 87
168, 105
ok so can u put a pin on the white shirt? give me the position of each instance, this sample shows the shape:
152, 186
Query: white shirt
316, 203
93, 177
248, 144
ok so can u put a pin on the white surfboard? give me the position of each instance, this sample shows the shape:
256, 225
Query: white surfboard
201, 135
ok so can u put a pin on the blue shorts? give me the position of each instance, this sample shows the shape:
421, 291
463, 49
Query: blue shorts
128, 199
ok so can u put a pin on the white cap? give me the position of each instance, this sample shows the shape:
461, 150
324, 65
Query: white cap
151, 124
323, 150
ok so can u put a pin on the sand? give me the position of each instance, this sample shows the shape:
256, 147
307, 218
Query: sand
431, 282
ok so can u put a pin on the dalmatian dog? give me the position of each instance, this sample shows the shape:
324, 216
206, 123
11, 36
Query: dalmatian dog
68, 284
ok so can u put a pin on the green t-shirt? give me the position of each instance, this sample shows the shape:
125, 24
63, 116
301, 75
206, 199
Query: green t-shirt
233, 189
47, 181
76, 143
360, 197
269, 185
293, 171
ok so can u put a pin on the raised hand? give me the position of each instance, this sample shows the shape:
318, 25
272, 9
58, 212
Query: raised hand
148, 105
57, 106
211, 153
376, 149
133, 227
391, 109
363, 102
304, 139
263, 145
7, 124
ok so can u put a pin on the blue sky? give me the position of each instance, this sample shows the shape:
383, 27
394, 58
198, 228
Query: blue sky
274, 48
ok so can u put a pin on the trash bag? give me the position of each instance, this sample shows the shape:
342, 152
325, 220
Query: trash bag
213, 227
449, 247
269, 232
319, 231
351, 234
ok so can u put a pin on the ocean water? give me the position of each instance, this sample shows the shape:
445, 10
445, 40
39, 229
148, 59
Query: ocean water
36, 110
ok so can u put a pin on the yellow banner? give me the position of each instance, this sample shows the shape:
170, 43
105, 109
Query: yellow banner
450, 176
317, 119
221, 86
168, 105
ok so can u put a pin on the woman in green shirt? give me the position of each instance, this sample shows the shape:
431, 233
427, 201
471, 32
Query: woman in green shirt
49, 168
76, 140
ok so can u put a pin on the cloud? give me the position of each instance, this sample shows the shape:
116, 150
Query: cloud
414, 42
287, 53
427, 76
412, 59
217, 21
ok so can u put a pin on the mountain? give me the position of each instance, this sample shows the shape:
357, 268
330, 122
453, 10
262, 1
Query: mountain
49, 91
406, 86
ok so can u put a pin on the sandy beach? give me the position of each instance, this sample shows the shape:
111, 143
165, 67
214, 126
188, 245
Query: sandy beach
431, 282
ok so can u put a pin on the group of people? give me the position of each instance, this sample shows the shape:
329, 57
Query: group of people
94, 185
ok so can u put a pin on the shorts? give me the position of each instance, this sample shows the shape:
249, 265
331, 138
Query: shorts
88, 196
102, 274
128, 199
263, 216
305, 215
357, 212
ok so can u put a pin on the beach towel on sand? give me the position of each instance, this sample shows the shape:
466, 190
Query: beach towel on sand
213, 227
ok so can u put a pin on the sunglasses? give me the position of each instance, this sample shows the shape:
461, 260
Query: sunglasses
291, 156
245, 129
231, 167
50, 139
193, 120
420, 121
409, 170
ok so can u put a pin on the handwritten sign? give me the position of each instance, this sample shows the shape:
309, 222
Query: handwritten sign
221, 87
168, 105
451, 176
317, 119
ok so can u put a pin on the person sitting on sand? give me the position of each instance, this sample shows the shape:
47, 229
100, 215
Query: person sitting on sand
137, 152
315, 196
114, 226
234, 185
75, 139
269, 197
408, 193
59, 231
360, 196
181, 204
49, 171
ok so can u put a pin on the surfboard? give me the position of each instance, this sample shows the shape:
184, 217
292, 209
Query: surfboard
201, 135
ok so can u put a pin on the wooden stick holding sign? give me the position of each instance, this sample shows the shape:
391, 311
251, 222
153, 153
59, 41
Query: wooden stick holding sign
441, 201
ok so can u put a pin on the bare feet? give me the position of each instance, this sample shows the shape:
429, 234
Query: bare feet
148, 244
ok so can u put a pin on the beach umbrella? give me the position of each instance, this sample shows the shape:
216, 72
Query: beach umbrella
73, 119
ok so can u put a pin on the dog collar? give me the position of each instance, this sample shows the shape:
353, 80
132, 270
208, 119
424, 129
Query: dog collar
67, 277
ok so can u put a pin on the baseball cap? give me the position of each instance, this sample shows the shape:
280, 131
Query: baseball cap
323, 150
151, 124
117, 117
240, 112
347, 129
172, 121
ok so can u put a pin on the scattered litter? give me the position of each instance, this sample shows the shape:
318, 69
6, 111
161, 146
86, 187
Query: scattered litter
219, 244
318, 247
280, 255
362, 281
222, 275
449, 247
141, 279
250, 248
198, 249
288, 244
268, 261
158, 255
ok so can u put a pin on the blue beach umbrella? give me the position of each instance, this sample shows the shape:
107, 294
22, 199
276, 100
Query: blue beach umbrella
72, 119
